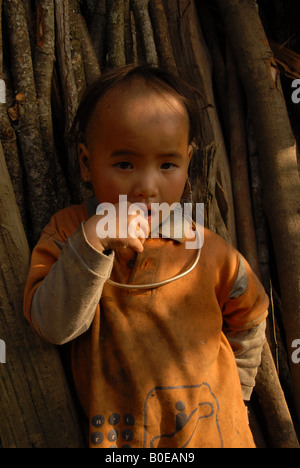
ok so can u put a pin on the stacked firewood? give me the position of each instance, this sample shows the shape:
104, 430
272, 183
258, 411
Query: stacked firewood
244, 170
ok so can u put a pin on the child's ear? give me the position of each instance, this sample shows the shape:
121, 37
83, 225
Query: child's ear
84, 162
190, 152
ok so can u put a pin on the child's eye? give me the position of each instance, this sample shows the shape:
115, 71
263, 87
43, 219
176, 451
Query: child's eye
168, 166
124, 165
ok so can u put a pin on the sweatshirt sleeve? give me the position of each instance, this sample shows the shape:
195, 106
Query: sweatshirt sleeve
247, 347
245, 315
64, 286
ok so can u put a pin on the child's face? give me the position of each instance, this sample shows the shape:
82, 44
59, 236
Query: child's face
137, 145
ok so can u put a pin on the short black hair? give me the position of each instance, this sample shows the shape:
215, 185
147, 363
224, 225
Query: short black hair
159, 78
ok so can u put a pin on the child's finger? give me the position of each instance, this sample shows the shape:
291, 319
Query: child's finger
136, 244
138, 228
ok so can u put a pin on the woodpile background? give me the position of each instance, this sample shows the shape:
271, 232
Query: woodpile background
242, 56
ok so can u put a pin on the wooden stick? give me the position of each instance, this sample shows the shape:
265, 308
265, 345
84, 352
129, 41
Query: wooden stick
70, 94
98, 31
115, 33
239, 167
161, 35
145, 31
128, 33
27, 126
90, 61
194, 64
76, 47
9, 140
43, 72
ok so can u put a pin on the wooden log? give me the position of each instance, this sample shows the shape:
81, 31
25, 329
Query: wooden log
27, 127
36, 406
274, 332
278, 419
278, 158
272, 400
9, 140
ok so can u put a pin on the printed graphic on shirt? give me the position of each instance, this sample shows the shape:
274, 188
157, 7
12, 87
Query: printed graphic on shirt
121, 430
183, 420
174, 417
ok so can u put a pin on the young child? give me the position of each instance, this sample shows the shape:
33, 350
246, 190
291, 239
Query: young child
151, 365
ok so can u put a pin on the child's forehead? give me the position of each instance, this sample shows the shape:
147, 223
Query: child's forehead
136, 95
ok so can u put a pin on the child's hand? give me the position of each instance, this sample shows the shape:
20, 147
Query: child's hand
117, 229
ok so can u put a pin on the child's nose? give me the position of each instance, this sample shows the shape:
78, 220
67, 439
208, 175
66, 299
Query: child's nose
146, 187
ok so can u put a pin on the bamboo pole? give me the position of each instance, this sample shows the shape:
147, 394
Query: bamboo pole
278, 159
35, 403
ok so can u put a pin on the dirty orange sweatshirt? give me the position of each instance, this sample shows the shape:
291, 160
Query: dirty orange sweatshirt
152, 368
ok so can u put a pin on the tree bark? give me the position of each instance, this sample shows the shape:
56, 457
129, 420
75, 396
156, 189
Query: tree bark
194, 64
278, 159
36, 406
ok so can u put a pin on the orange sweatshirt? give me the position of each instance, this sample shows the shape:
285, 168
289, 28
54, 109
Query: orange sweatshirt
152, 368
